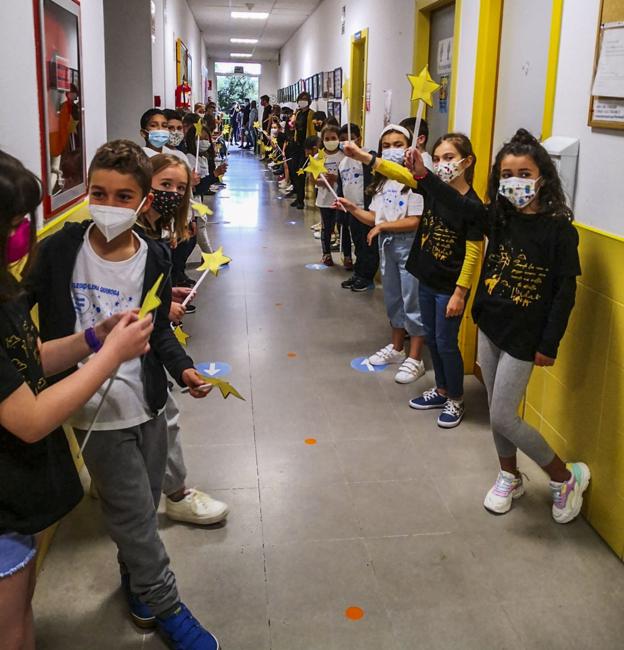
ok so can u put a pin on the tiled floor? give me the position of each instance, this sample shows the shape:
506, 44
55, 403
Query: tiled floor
383, 513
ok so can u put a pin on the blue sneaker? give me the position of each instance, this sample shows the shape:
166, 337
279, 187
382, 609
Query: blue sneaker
140, 613
452, 414
430, 399
182, 631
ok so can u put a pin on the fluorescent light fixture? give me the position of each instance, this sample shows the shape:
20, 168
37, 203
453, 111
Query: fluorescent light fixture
240, 55
244, 40
250, 15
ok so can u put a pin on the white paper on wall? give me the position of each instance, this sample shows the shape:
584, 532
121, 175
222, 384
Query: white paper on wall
609, 79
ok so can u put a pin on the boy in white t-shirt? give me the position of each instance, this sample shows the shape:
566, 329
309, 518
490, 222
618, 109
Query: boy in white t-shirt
83, 274
330, 140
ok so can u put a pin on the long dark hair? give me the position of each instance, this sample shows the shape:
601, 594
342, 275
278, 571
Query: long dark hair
551, 196
463, 146
20, 194
378, 179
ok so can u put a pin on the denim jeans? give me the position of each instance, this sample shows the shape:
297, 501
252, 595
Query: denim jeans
399, 286
441, 338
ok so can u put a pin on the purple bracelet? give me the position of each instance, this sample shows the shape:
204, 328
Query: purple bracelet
92, 340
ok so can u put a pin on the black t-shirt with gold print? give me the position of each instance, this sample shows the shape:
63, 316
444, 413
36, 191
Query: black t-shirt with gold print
527, 285
38, 482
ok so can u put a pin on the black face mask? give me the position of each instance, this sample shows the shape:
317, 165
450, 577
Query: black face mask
166, 203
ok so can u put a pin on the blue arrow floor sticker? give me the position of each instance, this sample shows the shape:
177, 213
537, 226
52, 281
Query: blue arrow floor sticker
316, 267
214, 368
362, 364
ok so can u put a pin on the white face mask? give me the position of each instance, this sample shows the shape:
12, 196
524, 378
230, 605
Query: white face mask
303, 103
394, 154
448, 171
331, 145
518, 191
175, 138
111, 221
204, 145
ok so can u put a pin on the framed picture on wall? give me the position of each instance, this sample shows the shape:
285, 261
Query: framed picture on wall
338, 83
330, 109
61, 117
336, 110
184, 76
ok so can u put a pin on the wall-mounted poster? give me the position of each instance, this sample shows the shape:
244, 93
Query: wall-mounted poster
319, 84
330, 109
184, 76
57, 31
336, 110
338, 83
330, 84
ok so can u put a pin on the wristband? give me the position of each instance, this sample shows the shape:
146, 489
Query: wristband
371, 164
419, 178
92, 340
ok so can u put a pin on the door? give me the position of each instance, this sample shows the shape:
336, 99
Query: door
359, 63
440, 61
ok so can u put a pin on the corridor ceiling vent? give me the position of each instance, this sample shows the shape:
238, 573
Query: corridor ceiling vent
264, 26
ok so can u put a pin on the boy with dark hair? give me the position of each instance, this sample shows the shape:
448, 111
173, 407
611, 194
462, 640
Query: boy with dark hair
175, 126
86, 272
353, 180
155, 133
421, 141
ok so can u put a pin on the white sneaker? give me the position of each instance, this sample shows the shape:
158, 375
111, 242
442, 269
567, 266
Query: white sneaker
317, 234
507, 487
197, 508
288, 188
568, 496
409, 371
386, 355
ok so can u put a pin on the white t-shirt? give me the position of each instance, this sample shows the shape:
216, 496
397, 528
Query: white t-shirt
99, 289
392, 204
352, 177
202, 167
167, 150
324, 198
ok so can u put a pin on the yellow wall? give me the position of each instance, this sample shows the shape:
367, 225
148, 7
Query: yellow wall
578, 404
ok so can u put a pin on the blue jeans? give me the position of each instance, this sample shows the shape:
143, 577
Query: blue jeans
16, 552
441, 337
399, 286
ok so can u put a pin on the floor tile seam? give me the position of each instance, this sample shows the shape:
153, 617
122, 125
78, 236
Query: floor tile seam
376, 538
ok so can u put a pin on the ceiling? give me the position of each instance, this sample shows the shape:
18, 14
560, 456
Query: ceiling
217, 26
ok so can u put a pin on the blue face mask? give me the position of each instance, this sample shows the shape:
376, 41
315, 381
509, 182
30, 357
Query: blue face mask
394, 154
158, 138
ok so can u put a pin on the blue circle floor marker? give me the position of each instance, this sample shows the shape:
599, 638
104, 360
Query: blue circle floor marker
214, 368
316, 267
362, 364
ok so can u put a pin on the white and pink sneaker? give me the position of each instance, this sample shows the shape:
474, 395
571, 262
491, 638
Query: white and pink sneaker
568, 496
500, 496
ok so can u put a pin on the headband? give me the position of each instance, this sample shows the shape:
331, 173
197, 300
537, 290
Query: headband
396, 127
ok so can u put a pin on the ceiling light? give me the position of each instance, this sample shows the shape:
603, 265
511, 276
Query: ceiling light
240, 55
244, 40
250, 15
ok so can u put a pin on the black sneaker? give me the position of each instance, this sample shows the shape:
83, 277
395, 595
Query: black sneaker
361, 284
347, 284
191, 309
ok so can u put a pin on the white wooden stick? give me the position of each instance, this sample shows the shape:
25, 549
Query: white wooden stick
195, 287
96, 415
197, 155
419, 115
348, 120
331, 189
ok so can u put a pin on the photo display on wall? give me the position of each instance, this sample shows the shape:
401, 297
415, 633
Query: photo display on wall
57, 32
336, 110
338, 83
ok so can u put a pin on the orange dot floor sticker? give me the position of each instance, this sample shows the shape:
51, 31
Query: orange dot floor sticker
292, 355
354, 613
310, 441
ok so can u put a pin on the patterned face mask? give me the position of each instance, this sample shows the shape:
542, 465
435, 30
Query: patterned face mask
166, 203
175, 138
448, 171
518, 191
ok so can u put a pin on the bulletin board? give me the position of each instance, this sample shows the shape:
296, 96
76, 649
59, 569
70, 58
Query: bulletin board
606, 109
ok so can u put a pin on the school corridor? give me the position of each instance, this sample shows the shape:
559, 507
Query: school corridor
356, 523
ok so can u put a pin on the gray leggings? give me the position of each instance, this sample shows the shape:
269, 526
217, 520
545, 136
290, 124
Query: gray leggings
506, 379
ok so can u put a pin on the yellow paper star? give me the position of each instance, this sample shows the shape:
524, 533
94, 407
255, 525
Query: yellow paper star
198, 128
225, 387
226, 129
152, 301
214, 261
423, 86
346, 90
256, 124
181, 335
300, 172
201, 209
316, 167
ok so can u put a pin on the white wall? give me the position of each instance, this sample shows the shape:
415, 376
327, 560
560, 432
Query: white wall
601, 159
464, 89
319, 46
179, 22
269, 80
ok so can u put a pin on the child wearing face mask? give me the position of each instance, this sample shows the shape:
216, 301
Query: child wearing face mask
330, 216
522, 304
394, 213
155, 133
175, 126
89, 270
303, 128
38, 479
444, 257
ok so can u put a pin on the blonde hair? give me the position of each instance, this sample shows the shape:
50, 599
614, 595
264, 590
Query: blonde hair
179, 224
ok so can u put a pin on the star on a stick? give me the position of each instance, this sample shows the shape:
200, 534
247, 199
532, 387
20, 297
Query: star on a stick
346, 90
181, 335
423, 86
201, 209
316, 167
152, 301
198, 128
214, 261
225, 387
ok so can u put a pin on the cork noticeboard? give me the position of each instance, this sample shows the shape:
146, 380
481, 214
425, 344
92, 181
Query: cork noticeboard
607, 112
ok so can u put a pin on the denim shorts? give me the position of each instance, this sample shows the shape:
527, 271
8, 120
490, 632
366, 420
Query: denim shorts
16, 552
